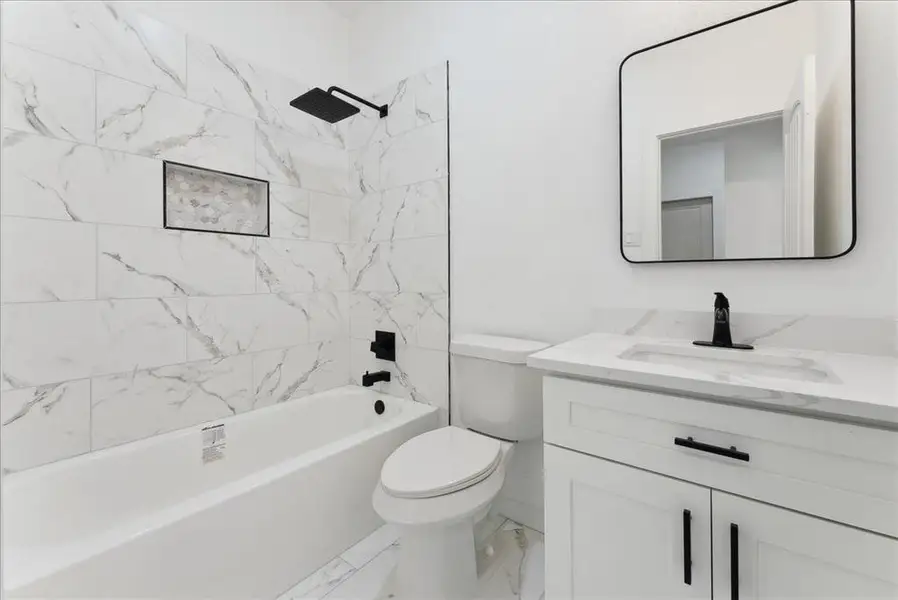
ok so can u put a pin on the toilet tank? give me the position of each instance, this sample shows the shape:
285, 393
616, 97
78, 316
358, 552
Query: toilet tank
493, 389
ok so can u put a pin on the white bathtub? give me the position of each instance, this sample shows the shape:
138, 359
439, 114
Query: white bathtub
150, 520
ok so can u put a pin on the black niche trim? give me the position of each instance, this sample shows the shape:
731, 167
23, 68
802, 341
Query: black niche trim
165, 225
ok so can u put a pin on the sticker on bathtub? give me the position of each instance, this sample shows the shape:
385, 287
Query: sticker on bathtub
213, 443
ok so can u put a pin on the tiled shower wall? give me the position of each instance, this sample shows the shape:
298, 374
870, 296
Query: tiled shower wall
400, 220
114, 329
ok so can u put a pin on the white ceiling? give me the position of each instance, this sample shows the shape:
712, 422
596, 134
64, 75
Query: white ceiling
348, 8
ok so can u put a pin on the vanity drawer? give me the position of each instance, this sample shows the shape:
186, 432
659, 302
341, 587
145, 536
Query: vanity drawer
847, 473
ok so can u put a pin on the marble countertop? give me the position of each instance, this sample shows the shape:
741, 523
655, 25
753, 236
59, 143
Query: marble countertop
856, 388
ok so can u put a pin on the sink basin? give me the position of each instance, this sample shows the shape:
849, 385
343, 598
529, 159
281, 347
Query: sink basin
730, 362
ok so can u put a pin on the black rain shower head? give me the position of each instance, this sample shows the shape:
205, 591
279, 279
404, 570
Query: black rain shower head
328, 107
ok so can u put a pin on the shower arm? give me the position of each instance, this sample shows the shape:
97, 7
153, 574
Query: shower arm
383, 110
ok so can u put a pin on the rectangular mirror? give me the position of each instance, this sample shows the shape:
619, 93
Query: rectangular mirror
737, 141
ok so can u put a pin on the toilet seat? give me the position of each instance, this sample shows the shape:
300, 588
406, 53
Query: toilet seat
440, 462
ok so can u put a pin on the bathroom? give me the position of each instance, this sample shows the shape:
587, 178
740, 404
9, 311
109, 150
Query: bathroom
183, 402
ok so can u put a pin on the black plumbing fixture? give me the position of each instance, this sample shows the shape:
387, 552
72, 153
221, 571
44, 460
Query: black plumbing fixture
369, 379
722, 337
384, 345
379, 407
328, 107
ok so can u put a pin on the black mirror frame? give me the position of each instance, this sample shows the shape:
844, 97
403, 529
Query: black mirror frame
620, 124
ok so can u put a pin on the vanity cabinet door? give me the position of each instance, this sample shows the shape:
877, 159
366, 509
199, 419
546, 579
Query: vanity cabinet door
763, 552
618, 532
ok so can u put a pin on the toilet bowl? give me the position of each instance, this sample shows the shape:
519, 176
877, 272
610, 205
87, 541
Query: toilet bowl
437, 485
435, 510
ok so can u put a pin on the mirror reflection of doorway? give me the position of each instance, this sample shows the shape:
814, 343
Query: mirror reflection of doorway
687, 229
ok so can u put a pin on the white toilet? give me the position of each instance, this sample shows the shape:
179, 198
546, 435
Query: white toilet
436, 486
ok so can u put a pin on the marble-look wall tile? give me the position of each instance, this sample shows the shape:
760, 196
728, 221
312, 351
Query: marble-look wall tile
364, 169
134, 405
416, 101
289, 212
419, 374
329, 217
287, 158
399, 229
416, 319
419, 155
47, 96
362, 129
226, 325
416, 265
299, 371
219, 78
103, 36
210, 201
416, 210
58, 341
259, 320
369, 219
328, 315
288, 266
44, 260
54, 179
142, 120
43, 424
137, 262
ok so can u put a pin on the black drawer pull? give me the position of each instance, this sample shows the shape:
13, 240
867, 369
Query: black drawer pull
730, 452
687, 547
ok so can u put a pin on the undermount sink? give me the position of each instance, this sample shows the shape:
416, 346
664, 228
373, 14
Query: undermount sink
721, 361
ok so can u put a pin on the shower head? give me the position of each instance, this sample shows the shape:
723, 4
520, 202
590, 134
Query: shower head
328, 107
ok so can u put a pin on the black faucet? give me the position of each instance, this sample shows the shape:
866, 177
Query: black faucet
722, 337
369, 379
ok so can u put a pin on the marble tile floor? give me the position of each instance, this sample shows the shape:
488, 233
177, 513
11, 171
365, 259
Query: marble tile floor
510, 559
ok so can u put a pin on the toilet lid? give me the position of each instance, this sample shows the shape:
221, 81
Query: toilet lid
440, 462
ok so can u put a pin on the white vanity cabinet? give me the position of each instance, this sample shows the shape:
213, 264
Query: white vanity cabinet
783, 554
782, 506
613, 531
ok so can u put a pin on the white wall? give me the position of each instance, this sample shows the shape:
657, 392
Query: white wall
534, 150
697, 170
691, 170
306, 40
754, 190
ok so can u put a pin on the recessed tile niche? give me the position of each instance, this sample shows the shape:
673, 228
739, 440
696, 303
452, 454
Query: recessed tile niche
199, 199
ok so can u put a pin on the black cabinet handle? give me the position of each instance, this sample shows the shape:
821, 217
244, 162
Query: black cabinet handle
734, 561
730, 452
687, 547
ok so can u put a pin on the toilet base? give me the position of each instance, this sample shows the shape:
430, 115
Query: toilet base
437, 559
437, 562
